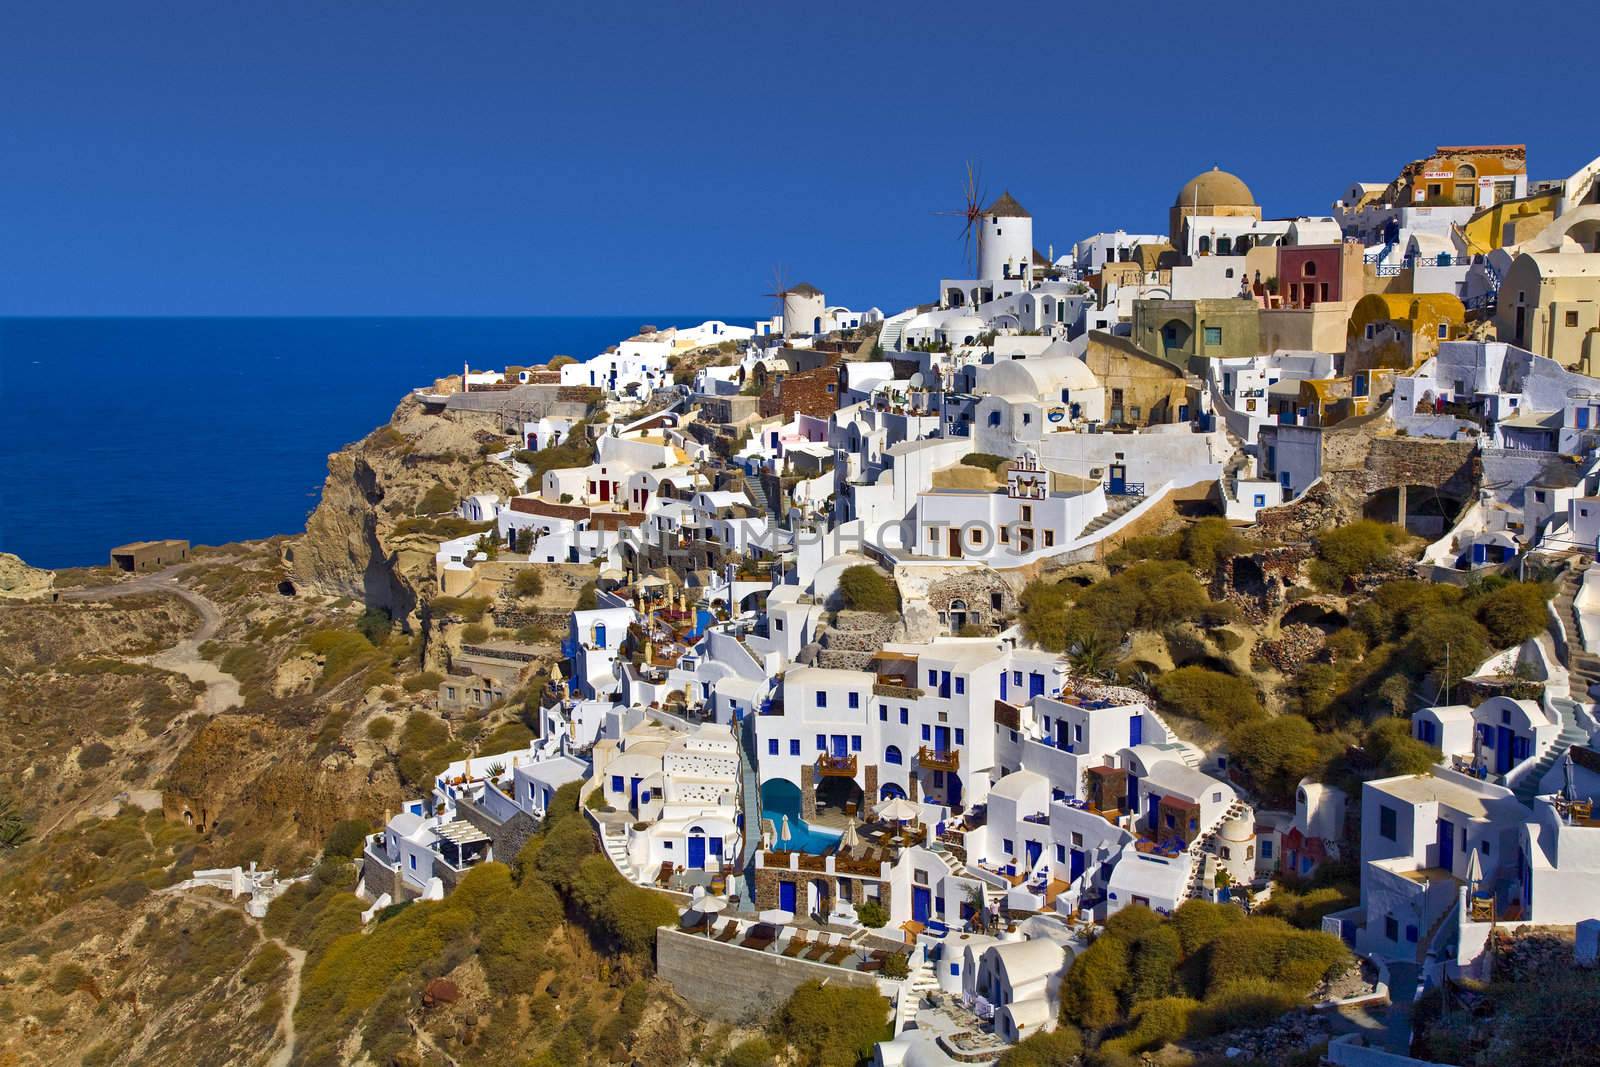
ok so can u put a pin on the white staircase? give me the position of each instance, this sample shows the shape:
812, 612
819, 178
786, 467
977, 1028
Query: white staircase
1200, 847
894, 330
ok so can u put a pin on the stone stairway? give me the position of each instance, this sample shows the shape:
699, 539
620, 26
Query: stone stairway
749, 800
1582, 665
1201, 846
1117, 507
1571, 734
758, 494
921, 978
894, 330
1237, 464
615, 840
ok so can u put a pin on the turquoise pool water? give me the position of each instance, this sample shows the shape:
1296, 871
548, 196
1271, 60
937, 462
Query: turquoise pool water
802, 838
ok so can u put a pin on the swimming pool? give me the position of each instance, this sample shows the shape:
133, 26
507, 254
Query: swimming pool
802, 838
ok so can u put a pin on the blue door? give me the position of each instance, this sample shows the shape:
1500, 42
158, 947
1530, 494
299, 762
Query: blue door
1063, 735
1077, 865
921, 903
1034, 850
716, 848
841, 745
1502, 749
1035, 685
1133, 794
1136, 731
941, 738
1119, 479
1447, 845
633, 791
1004, 687
697, 853
786, 896
1152, 809
944, 684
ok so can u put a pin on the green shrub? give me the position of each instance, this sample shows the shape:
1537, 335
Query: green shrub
528, 583
1044, 612
1153, 964
380, 728
833, 1026
1304, 911
1153, 1024
1219, 700
475, 633
865, 588
347, 838
871, 914
436, 501
1208, 542
470, 609
1091, 995
374, 625
1271, 949
1051, 1048
68, 979
986, 460
1276, 753
1200, 922
1352, 549
423, 731
1151, 595
513, 937
1390, 744
268, 962
424, 681
756, 1052
1450, 643
343, 652
586, 597
95, 754
1514, 612
1247, 1003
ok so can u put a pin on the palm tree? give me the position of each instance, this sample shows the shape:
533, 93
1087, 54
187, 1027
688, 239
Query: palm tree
1090, 655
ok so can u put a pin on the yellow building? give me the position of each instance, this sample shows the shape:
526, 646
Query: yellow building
1463, 176
1510, 222
1550, 304
1141, 390
1399, 331
1214, 193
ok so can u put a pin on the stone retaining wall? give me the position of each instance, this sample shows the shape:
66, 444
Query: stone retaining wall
739, 985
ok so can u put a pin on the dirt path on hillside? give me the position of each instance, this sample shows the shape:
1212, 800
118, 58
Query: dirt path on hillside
221, 688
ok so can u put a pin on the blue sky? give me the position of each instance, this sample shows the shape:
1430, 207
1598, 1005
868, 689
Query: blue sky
497, 158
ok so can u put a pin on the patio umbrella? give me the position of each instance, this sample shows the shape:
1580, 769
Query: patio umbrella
1570, 792
709, 906
783, 830
1474, 871
777, 917
897, 810
850, 839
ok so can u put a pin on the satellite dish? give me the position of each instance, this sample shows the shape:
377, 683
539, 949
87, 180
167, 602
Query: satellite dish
918, 381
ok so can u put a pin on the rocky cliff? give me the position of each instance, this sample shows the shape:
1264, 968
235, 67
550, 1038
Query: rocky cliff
355, 543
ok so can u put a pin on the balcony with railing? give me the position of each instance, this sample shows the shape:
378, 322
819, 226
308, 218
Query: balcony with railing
829, 766
939, 759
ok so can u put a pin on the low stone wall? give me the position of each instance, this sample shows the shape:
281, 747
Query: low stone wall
739, 985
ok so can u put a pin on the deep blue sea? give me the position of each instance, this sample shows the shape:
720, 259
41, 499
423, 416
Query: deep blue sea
219, 429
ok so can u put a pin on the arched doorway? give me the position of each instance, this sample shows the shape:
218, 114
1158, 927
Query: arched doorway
839, 795
890, 791
958, 615
818, 901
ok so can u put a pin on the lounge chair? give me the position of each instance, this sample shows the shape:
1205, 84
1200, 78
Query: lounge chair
797, 944
839, 955
820, 949
664, 875
761, 936
729, 932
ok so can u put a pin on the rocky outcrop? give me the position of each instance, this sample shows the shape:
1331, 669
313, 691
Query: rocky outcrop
353, 544
18, 581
